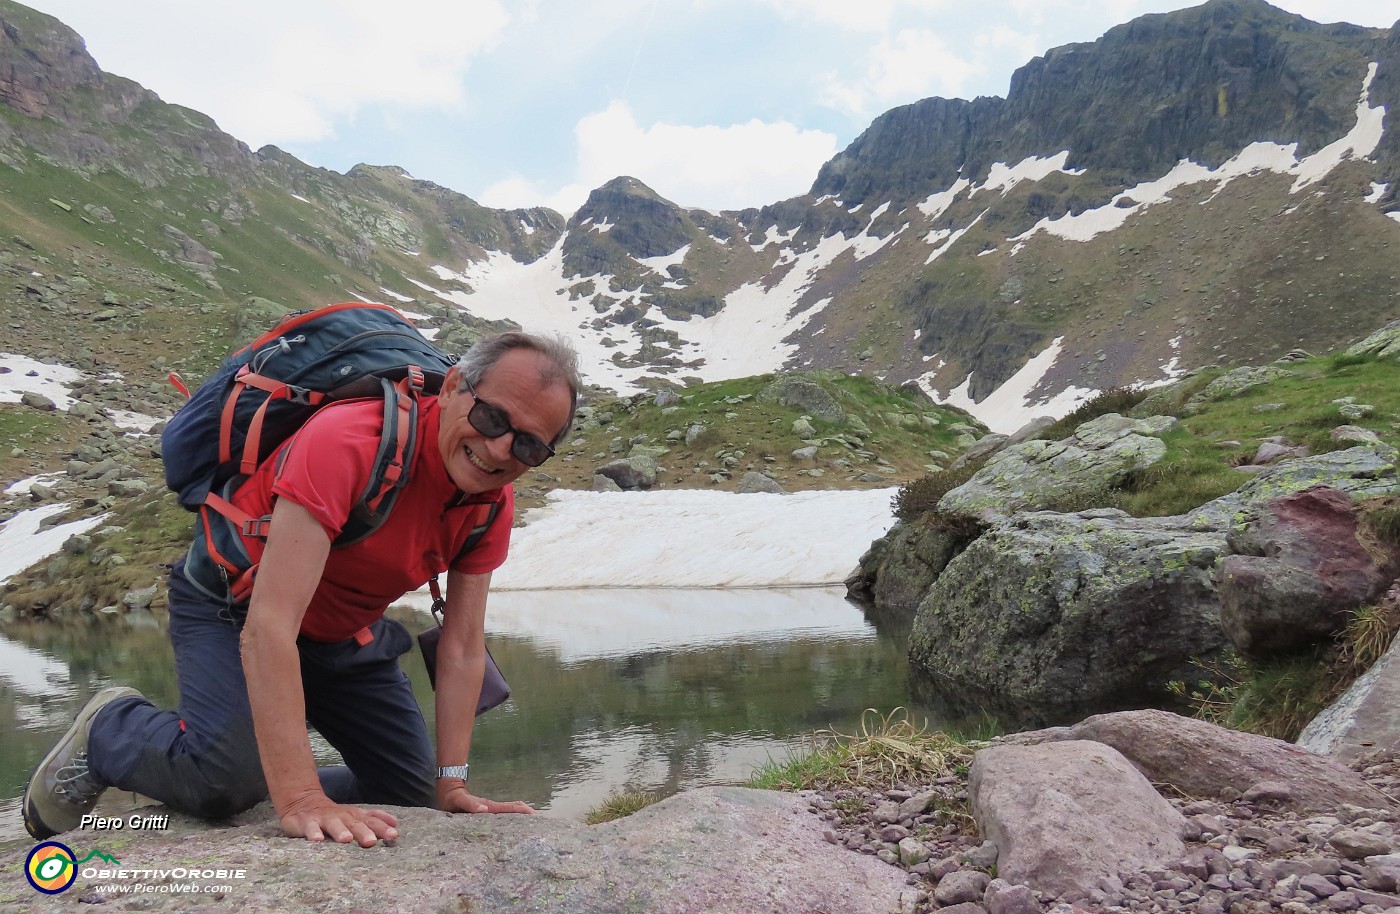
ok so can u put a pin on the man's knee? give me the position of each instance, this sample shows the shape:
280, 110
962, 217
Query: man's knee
223, 780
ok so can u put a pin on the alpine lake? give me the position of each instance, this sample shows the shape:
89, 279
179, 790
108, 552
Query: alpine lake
655, 690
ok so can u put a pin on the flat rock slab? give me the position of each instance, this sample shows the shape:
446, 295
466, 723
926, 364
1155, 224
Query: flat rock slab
1204, 760
717, 849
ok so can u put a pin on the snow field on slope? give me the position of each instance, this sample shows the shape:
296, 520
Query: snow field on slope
694, 538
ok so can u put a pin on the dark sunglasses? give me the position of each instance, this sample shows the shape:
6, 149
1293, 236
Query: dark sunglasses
492, 421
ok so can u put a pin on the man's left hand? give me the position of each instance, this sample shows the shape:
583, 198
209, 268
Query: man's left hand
459, 799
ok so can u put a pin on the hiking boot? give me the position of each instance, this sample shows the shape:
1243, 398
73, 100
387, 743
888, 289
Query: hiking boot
62, 789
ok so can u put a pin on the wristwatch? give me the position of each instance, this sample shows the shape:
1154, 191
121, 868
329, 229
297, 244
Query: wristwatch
454, 771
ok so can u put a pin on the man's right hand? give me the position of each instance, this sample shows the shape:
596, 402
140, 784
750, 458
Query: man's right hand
318, 819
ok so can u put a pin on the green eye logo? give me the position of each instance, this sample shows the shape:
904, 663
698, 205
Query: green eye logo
51, 867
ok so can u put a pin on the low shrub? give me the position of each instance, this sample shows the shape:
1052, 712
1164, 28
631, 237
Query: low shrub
1114, 400
917, 498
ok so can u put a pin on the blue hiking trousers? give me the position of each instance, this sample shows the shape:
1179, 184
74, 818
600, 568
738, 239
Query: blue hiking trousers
202, 758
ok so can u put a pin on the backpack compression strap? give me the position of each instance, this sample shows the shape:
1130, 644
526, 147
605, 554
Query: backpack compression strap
276, 390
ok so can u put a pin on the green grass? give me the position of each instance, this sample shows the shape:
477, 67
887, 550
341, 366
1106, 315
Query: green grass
1275, 697
885, 749
619, 804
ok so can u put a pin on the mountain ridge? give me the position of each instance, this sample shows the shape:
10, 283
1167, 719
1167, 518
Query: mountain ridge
1134, 203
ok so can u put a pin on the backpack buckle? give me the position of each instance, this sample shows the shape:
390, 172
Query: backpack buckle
257, 526
300, 396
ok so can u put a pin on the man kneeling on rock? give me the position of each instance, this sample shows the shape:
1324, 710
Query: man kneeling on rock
316, 617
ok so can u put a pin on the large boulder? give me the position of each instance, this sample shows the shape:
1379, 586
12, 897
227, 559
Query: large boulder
1040, 474
630, 472
1065, 611
1366, 717
717, 849
1297, 571
1065, 815
1203, 760
1365, 471
901, 566
1234, 383
1384, 343
804, 394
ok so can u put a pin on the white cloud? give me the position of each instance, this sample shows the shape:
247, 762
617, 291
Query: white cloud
911, 65
716, 167
270, 71
869, 16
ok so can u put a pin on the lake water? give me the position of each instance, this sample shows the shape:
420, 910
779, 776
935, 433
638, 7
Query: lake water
653, 689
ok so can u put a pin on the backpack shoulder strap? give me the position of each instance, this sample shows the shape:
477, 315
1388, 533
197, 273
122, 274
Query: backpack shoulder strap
478, 532
434, 588
398, 445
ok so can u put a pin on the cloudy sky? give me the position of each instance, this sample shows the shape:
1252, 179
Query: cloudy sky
713, 103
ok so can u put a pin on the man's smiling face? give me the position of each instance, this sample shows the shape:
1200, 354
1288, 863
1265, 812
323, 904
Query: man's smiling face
476, 463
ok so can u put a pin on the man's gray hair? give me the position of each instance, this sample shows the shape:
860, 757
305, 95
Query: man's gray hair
561, 364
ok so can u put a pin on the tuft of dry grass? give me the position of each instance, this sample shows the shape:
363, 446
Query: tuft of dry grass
1368, 635
890, 749
620, 804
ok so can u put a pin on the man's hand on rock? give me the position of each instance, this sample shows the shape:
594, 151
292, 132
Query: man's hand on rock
317, 820
459, 799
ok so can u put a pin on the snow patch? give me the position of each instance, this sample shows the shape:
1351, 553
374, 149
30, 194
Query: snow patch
26, 375
713, 539
1009, 407
1360, 141
1004, 177
22, 487
660, 264
396, 296
22, 543
300, 197
949, 238
937, 204
132, 421
1377, 191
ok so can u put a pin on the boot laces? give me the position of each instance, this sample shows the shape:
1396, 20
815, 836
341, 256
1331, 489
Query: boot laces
75, 782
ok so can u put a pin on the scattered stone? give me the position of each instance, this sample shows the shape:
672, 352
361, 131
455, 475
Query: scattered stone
37, 401
753, 481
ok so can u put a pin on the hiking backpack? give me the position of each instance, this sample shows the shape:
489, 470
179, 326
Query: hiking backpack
267, 390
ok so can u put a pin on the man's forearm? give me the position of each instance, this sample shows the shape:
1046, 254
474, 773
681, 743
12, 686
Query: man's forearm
272, 668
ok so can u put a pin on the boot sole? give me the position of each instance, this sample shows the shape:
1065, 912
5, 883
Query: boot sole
33, 822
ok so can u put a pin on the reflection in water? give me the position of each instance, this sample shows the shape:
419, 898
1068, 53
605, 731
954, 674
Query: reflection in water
648, 689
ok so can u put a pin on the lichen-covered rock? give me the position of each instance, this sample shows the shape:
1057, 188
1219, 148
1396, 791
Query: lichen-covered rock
1365, 471
805, 394
1061, 611
1233, 383
1066, 815
1296, 571
756, 482
1384, 343
631, 472
1039, 474
901, 566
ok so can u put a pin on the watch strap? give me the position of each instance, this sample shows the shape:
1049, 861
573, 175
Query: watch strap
454, 771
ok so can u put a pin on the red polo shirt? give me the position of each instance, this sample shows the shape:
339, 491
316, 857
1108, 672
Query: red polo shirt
327, 464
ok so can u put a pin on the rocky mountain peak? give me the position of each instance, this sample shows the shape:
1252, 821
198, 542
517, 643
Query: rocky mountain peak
41, 59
